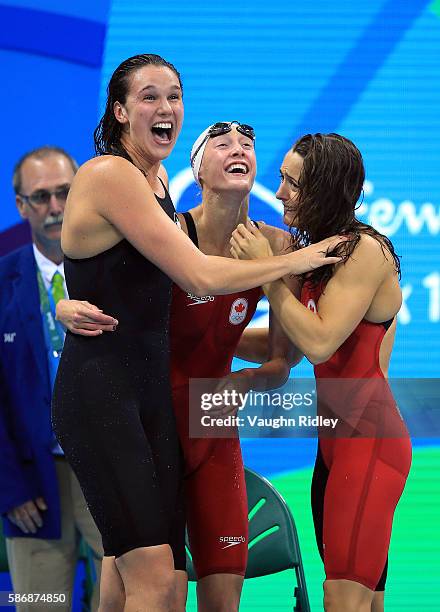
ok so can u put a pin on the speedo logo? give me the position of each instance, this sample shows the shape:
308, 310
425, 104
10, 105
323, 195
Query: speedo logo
196, 299
231, 541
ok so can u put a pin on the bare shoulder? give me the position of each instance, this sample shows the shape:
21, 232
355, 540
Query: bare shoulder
279, 239
373, 249
109, 179
109, 167
371, 258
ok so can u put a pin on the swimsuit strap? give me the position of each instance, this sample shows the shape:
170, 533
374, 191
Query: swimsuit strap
192, 232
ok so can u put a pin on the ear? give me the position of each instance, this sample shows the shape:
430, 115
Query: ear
120, 113
21, 207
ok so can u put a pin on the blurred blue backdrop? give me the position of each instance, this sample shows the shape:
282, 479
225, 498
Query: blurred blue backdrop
369, 70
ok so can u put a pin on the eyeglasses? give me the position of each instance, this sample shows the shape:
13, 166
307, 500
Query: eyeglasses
223, 127
41, 197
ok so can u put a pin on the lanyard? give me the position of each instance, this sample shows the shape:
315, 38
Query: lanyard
56, 335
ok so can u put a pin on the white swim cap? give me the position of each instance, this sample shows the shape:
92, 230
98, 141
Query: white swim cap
197, 152
221, 127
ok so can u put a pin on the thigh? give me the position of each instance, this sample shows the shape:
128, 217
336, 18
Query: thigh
83, 519
109, 441
361, 495
88, 530
161, 431
217, 509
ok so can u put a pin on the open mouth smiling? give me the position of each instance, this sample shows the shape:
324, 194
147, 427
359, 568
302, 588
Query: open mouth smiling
237, 168
163, 131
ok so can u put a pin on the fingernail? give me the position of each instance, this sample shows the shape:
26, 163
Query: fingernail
115, 321
100, 332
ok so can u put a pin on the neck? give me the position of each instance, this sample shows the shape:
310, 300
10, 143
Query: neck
148, 166
50, 249
219, 216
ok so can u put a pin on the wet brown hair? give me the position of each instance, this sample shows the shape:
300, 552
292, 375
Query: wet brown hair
330, 186
107, 135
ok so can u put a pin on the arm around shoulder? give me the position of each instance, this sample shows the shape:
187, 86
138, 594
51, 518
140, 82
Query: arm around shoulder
117, 192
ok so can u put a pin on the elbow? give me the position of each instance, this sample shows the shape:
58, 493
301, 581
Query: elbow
283, 374
319, 350
320, 353
280, 374
197, 287
316, 359
314, 347
199, 281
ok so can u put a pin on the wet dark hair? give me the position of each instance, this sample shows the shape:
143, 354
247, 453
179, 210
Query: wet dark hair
107, 135
330, 185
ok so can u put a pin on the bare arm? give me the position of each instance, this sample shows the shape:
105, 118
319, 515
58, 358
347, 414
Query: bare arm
350, 291
292, 353
256, 344
113, 189
253, 345
275, 369
277, 352
280, 356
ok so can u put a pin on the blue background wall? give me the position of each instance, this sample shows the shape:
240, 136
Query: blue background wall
369, 70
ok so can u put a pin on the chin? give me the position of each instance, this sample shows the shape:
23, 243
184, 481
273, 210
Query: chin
240, 185
156, 151
287, 219
162, 152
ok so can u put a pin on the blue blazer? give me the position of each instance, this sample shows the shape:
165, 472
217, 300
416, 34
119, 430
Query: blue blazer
27, 466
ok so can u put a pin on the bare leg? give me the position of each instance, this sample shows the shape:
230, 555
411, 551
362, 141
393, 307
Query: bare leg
181, 591
149, 579
346, 596
219, 593
377, 605
112, 593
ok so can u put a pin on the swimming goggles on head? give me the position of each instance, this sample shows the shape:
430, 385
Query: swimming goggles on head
223, 127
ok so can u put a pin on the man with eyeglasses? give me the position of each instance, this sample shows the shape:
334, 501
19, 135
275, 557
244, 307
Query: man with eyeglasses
43, 507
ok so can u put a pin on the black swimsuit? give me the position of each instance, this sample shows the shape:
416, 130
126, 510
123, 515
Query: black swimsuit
112, 410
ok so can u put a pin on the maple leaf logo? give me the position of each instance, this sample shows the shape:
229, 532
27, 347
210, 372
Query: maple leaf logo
238, 311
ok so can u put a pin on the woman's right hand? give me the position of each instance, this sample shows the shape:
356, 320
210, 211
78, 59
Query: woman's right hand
81, 317
315, 255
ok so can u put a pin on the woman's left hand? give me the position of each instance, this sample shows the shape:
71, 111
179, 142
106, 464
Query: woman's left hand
234, 389
249, 243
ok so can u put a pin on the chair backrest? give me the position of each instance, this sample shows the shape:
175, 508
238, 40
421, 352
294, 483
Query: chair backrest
273, 540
